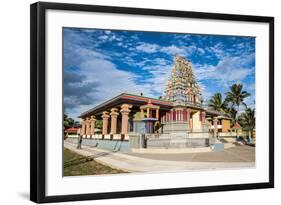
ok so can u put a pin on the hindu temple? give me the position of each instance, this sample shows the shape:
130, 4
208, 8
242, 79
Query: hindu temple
178, 119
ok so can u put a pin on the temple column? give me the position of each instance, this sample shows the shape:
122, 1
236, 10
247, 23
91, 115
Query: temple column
105, 117
125, 110
87, 127
93, 125
114, 113
147, 112
203, 116
189, 119
181, 114
157, 114
215, 127
82, 131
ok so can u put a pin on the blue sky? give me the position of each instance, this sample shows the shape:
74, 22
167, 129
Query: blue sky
100, 64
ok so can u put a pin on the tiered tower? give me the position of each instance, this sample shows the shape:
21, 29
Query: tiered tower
182, 88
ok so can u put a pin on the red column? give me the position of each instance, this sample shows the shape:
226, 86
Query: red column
181, 115
184, 115
170, 118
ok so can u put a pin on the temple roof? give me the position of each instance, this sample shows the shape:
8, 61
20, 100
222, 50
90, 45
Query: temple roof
72, 130
132, 99
220, 115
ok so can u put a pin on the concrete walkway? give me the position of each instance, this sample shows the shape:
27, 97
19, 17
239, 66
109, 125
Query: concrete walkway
134, 163
178, 150
232, 154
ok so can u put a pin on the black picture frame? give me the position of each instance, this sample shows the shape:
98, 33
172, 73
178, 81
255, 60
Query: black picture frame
38, 103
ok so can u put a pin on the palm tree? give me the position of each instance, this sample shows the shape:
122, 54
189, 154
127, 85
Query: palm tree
237, 95
247, 120
232, 113
217, 103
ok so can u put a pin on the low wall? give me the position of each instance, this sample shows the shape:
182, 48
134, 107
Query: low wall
178, 140
137, 141
100, 136
177, 143
113, 145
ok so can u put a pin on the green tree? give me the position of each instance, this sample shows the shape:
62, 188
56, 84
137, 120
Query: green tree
247, 120
68, 122
217, 103
236, 96
99, 124
232, 113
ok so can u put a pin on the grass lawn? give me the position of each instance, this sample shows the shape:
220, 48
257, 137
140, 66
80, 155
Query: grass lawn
75, 165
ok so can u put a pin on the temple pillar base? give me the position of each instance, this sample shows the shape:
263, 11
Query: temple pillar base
122, 137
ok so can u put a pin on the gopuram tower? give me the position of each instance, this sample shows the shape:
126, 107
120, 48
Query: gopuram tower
182, 88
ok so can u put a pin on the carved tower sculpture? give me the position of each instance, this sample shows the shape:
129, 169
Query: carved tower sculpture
182, 88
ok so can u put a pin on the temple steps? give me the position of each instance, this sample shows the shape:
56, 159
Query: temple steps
179, 141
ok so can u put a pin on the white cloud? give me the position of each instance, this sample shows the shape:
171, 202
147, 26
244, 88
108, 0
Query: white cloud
107, 32
159, 76
227, 71
109, 81
173, 50
201, 51
217, 50
169, 50
103, 38
160, 61
147, 47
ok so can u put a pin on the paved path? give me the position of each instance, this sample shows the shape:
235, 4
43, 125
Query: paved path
233, 154
149, 163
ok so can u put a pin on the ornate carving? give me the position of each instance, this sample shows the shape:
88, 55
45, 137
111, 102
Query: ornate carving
114, 112
125, 108
182, 87
105, 115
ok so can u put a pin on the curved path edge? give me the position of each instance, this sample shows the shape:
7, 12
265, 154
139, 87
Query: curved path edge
137, 164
